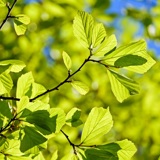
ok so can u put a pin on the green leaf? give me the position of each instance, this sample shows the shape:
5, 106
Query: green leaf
54, 155
21, 105
42, 121
107, 45
83, 28
97, 126
128, 149
136, 48
24, 84
129, 60
60, 118
15, 65
122, 86
6, 83
67, 60
98, 35
19, 27
5, 110
2, 4
31, 138
23, 18
80, 87
73, 117
99, 155
37, 89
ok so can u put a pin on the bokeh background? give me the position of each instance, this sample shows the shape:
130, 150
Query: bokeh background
50, 32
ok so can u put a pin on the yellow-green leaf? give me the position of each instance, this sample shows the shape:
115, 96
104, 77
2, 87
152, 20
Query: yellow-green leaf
15, 65
2, 4
127, 150
23, 18
6, 83
20, 28
107, 45
83, 28
98, 123
122, 86
135, 48
80, 87
67, 60
98, 34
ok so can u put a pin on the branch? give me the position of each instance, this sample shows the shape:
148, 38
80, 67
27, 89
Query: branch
64, 81
73, 145
10, 98
8, 14
8, 124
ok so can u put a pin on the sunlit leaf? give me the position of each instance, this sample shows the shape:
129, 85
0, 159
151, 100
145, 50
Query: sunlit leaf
98, 123
73, 117
67, 60
128, 149
54, 155
83, 28
15, 65
6, 83
60, 118
24, 84
2, 4
23, 18
122, 86
98, 34
31, 138
80, 87
38, 89
20, 28
129, 60
136, 48
107, 45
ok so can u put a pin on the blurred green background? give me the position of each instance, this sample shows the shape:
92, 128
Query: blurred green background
50, 32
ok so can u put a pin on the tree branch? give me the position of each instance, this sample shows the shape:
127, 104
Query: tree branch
8, 14
64, 81
73, 145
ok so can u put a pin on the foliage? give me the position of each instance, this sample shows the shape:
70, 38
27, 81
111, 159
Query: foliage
29, 124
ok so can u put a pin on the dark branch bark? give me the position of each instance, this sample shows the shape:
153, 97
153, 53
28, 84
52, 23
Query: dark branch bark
8, 14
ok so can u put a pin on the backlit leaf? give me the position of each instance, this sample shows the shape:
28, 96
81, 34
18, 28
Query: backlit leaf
20, 28
98, 34
107, 45
2, 4
98, 123
67, 60
6, 83
128, 149
23, 18
136, 48
83, 28
121, 86
24, 84
31, 138
15, 65
80, 87
73, 117
129, 60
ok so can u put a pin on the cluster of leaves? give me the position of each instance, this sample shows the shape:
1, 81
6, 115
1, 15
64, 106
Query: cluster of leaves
27, 125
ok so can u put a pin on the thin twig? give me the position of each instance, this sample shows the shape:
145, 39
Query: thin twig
8, 124
73, 145
8, 14
10, 98
63, 82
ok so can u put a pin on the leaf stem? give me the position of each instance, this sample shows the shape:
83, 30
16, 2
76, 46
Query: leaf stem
8, 14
